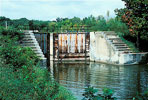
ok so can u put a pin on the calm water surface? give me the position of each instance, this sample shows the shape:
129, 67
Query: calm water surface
125, 80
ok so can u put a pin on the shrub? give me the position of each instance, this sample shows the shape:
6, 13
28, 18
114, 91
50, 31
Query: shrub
14, 54
12, 33
92, 94
30, 82
21, 76
143, 96
18, 56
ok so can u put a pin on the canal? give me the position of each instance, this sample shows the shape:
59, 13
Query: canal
126, 81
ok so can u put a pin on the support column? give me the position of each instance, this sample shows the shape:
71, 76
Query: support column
51, 46
48, 49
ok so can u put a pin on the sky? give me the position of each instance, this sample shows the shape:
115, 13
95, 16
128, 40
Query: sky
51, 9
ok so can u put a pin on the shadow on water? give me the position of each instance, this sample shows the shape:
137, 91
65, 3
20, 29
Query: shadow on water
125, 80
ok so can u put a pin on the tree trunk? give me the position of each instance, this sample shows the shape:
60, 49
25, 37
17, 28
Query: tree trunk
138, 40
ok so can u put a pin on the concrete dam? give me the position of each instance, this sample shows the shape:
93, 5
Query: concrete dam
103, 46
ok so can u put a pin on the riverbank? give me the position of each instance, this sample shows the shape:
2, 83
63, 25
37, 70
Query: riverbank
35, 85
21, 75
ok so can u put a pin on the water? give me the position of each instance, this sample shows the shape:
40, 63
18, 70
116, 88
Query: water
125, 80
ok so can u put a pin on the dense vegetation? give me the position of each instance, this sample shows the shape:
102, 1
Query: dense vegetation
21, 77
23, 23
75, 24
95, 24
135, 15
93, 94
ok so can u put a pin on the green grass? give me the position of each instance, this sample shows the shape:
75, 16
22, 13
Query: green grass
35, 85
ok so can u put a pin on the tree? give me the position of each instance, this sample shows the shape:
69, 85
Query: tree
52, 26
102, 25
135, 15
4, 20
31, 25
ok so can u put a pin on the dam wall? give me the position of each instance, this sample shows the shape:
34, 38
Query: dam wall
104, 49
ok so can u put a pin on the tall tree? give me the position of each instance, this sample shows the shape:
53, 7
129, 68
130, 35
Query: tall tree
135, 15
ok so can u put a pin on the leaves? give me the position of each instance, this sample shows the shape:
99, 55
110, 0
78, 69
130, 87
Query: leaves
92, 94
135, 15
21, 78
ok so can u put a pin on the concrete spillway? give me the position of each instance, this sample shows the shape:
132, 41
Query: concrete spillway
103, 46
72, 46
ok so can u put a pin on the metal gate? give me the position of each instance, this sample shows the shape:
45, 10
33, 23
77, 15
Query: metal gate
71, 46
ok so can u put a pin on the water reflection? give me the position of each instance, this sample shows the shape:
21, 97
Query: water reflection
125, 80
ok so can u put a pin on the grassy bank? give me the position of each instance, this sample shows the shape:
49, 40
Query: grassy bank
21, 76
35, 85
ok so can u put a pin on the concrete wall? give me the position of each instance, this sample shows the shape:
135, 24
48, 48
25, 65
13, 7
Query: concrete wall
101, 50
51, 46
132, 58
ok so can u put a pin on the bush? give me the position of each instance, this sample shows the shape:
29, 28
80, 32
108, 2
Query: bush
143, 96
92, 94
12, 33
14, 54
21, 76
18, 56
30, 83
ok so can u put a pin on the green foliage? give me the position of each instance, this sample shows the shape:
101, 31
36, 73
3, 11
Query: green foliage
143, 96
135, 15
117, 26
102, 25
9, 48
11, 33
95, 24
23, 23
25, 56
52, 26
92, 94
21, 76
30, 83
108, 93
